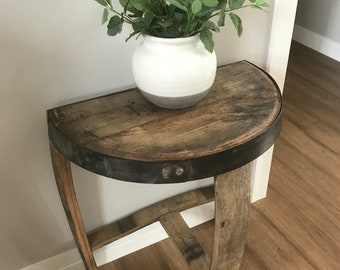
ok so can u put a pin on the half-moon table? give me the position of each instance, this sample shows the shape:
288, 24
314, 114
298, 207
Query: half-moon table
123, 136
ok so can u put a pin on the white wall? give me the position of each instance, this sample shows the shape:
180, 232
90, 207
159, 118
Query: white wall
321, 17
53, 53
317, 26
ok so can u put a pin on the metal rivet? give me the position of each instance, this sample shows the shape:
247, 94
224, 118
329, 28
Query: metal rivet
166, 172
179, 171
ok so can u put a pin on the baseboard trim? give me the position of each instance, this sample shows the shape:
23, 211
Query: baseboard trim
317, 42
71, 260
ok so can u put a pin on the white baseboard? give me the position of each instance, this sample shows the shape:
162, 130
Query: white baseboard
317, 42
71, 260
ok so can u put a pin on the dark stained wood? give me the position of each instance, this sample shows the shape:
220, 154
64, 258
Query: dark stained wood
123, 136
232, 200
232, 210
186, 242
148, 215
297, 225
63, 177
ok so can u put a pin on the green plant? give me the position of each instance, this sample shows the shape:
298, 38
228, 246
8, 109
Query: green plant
176, 18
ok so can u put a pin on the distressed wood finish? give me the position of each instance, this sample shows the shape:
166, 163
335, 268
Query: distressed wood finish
154, 257
232, 200
185, 241
297, 225
63, 177
148, 215
125, 137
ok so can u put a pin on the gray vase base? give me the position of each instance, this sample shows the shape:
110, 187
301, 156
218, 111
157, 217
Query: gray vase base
175, 102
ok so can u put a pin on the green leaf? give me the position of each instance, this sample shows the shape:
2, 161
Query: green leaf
207, 39
102, 2
115, 26
179, 17
127, 6
177, 4
141, 5
212, 26
235, 4
196, 6
148, 18
105, 16
261, 2
137, 25
210, 3
237, 23
221, 19
163, 22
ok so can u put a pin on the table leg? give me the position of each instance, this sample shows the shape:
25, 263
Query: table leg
63, 176
232, 201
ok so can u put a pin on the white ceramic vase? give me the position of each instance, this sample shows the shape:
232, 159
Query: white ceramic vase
173, 73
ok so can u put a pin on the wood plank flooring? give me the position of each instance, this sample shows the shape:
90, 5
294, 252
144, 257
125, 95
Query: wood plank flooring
298, 225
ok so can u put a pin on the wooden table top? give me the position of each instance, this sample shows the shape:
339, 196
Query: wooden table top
125, 137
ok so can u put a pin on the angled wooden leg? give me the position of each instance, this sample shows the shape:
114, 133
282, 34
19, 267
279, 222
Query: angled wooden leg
63, 176
185, 241
232, 201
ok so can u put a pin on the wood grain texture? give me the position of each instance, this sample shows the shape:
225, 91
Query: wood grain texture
186, 242
163, 255
232, 200
297, 226
63, 177
123, 136
148, 215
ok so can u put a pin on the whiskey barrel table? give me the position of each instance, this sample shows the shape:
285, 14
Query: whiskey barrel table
123, 136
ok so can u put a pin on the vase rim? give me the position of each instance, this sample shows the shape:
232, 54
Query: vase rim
170, 40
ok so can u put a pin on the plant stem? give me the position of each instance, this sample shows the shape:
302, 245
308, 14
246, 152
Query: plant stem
126, 18
229, 10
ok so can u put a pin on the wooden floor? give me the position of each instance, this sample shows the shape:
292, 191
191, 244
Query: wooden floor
298, 225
